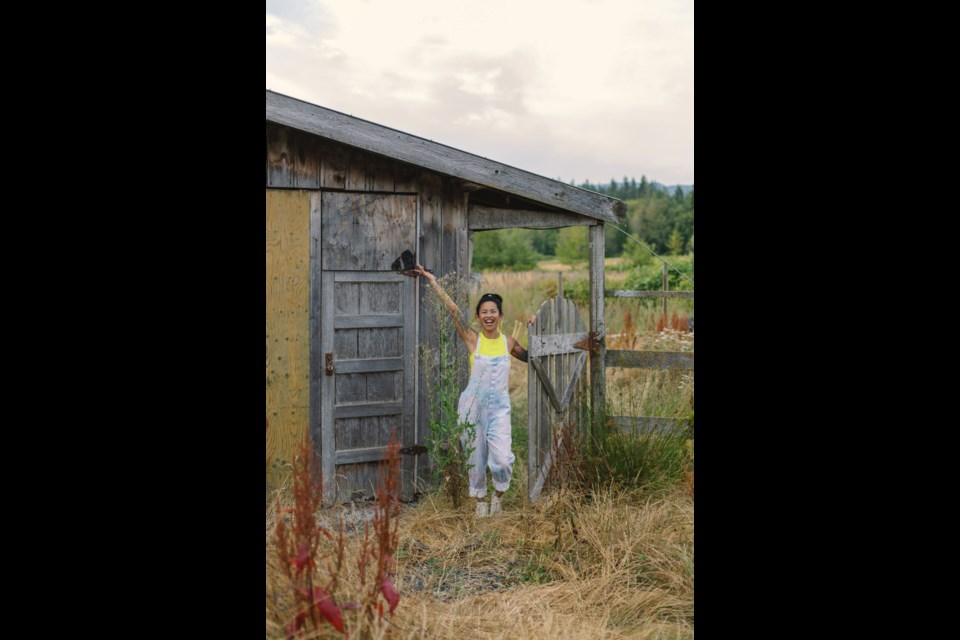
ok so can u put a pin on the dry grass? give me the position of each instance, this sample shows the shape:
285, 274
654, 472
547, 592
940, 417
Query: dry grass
612, 566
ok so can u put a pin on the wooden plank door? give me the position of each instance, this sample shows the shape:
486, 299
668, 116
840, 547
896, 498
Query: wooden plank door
368, 340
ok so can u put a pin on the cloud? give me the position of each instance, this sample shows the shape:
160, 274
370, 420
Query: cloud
570, 88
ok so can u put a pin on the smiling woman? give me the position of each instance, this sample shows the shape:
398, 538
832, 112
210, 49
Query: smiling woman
485, 403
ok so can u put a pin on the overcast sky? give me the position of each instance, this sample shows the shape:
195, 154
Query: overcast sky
569, 89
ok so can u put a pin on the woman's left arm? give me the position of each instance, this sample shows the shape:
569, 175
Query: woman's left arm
516, 349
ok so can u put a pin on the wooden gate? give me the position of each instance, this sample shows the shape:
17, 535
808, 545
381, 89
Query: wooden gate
556, 384
368, 319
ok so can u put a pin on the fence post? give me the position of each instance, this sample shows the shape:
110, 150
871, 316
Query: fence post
598, 357
666, 287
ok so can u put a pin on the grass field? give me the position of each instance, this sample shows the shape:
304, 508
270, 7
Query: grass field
610, 563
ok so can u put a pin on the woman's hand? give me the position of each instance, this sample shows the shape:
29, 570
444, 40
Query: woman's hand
432, 279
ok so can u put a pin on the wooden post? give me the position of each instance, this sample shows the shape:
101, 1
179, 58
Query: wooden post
598, 356
666, 287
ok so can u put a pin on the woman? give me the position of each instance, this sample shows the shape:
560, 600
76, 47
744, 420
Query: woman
486, 401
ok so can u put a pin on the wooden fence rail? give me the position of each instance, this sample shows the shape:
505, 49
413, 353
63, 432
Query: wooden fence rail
669, 360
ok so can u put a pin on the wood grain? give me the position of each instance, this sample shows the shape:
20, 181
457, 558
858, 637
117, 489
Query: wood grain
366, 232
287, 320
482, 218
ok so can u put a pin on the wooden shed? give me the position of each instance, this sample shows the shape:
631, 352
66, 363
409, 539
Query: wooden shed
344, 198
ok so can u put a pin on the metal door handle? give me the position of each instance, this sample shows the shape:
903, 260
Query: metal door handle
329, 369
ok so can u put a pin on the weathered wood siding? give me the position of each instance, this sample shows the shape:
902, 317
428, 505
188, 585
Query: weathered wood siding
444, 248
366, 231
288, 326
298, 160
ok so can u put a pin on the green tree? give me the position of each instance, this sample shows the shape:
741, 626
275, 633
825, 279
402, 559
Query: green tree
644, 187
638, 255
572, 245
544, 241
507, 249
675, 244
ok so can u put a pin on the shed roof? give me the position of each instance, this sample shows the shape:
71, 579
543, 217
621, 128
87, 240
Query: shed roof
421, 152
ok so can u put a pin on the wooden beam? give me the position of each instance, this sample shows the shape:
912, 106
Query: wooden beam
366, 276
598, 357
368, 322
677, 360
424, 153
367, 409
372, 365
610, 293
548, 345
365, 454
481, 218
316, 315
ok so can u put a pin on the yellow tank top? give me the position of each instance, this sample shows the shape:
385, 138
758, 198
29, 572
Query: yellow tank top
489, 347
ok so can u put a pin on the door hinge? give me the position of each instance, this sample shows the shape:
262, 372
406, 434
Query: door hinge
591, 343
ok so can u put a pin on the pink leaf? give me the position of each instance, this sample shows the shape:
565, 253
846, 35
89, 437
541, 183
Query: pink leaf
390, 593
328, 608
302, 557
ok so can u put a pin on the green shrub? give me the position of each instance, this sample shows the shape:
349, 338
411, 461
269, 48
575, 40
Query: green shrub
650, 277
503, 249
652, 461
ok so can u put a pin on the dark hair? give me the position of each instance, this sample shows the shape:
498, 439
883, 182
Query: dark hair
491, 297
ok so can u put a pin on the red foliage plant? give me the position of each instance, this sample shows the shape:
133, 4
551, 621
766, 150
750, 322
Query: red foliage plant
385, 539
297, 546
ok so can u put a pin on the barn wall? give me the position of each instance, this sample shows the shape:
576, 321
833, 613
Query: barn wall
287, 326
444, 248
300, 161
297, 160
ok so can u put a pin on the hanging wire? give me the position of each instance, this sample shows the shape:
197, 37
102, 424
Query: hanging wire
638, 241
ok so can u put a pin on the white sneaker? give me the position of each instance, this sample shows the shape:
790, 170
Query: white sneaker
483, 509
494, 505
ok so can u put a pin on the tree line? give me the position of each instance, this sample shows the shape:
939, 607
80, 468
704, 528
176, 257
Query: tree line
662, 220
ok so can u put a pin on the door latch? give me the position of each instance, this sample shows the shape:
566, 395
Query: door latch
329, 369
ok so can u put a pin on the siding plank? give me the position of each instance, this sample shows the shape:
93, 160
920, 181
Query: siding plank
366, 232
367, 409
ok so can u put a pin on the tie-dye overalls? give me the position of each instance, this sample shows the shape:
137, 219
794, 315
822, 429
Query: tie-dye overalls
486, 403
